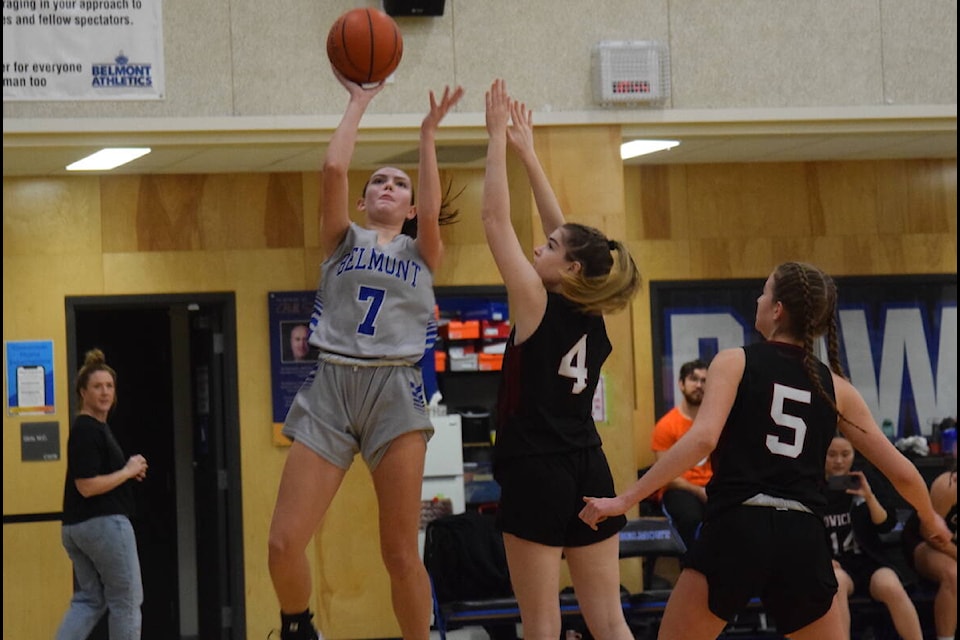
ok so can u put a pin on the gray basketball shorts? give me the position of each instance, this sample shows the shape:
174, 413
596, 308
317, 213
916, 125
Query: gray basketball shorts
343, 409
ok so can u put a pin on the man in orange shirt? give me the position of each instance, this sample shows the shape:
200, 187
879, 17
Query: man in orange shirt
683, 499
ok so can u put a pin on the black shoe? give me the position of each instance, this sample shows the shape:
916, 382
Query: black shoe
298, 627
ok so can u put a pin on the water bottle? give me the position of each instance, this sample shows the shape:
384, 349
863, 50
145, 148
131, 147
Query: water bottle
948, 441
888, 430
934, 440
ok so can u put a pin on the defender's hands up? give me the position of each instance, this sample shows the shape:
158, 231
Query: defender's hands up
520, 133
438, 110
497, 107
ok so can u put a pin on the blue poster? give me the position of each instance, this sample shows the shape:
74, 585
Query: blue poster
291, 356
898, 339
30, 377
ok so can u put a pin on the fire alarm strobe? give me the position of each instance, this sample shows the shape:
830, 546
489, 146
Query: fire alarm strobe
630, 72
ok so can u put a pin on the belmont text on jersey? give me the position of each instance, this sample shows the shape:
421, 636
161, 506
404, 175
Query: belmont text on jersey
365, 258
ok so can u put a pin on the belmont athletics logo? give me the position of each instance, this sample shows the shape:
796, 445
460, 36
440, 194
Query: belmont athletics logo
121, 73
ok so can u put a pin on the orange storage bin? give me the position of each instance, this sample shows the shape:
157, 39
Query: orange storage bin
490, 361
456, 330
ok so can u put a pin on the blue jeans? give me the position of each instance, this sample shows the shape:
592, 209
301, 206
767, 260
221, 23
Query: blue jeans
107, 570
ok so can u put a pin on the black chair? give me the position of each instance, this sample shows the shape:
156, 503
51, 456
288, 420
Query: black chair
650, 537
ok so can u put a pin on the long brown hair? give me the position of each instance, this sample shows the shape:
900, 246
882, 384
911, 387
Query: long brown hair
810, 298
608, 277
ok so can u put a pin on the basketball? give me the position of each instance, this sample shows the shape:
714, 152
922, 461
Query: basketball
365, 45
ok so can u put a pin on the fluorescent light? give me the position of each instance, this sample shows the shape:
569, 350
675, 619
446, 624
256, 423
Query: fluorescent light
636, 148
106, 159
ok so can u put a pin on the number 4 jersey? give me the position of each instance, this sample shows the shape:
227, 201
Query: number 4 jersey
776, 437
374, 301
545, 404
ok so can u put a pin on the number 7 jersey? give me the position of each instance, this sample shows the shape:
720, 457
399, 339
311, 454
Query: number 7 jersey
374, 301
545, 404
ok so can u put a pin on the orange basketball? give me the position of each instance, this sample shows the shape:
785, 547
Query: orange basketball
365, 45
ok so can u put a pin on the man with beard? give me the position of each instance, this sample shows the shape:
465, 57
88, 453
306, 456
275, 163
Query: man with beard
683, 499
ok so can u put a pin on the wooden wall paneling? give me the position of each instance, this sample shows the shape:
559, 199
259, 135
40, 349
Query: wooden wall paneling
633, 202
586, 189
892, 197
283, 223
932, 193
119, 196
731, 257
747, 200
843, 198
310, 183
822, 251
37, 579
252, 211
33, 293
662, 259
312, 257
467, 258
643, 416
917, 196
168, 212
930, 253
650, 205
352, 588
51, 216
165, 271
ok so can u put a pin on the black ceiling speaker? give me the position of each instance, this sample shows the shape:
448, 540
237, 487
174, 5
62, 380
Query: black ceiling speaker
413, 7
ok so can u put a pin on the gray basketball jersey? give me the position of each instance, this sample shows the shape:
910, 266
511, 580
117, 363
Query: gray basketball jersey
374, 301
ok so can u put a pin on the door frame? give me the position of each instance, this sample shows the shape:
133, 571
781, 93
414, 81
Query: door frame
225, 304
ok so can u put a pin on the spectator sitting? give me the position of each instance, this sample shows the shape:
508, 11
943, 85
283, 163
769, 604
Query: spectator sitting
683, 498
854, 518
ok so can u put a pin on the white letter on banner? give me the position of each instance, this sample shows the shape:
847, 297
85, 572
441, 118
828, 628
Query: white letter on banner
904, 342
946, 367
687, 329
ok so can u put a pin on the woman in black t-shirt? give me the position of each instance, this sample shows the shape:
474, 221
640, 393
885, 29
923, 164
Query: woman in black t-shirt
97, 505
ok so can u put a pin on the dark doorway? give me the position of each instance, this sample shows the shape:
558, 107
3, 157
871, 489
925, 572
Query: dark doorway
175, 357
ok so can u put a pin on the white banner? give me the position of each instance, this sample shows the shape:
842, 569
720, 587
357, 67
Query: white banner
82, 50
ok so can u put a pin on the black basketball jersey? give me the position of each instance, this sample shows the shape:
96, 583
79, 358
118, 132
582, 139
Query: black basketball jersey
776, 437
545, 403
851, 531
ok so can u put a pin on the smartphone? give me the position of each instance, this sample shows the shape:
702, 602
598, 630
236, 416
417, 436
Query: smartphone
31, 386
844, 482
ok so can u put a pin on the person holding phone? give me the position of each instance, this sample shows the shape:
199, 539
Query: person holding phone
97, 507
854, 518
